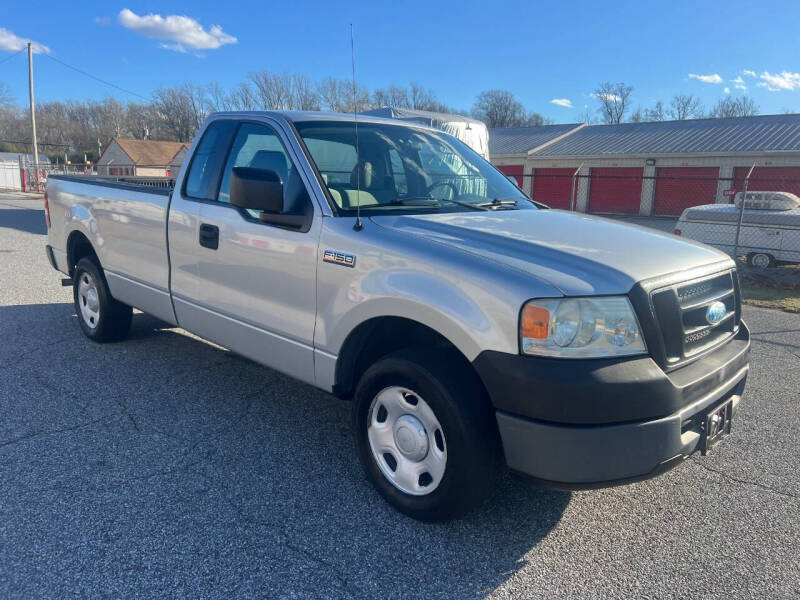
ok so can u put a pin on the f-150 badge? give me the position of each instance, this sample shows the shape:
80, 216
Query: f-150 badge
339, 258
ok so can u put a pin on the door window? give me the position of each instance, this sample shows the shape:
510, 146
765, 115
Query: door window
260, 147
204, 172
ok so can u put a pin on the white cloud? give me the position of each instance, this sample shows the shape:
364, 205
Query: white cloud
14, 43
713, 78
761, 84
183, 32
749, 73
608, 97
739, 84
565, 102
727, 90
776, 82
103, 21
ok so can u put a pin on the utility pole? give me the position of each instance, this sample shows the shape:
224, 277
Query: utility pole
33, 116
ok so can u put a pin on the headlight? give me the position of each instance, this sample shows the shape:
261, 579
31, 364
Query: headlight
580, 328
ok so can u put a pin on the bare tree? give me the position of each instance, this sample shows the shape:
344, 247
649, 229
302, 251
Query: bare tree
333, 93
726, 107
304, 94
499, 108
656, 113
685, 106
6, 99
273, 90
614, 99
216, 99
422, 99
142, 121
337, 95
180, 111
588, 115
243, 97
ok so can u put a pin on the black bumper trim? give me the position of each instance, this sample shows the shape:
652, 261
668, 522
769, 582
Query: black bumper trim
662, 468
579, 457
48, 249
604, 391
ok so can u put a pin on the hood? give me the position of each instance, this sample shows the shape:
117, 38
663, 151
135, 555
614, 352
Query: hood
578, 254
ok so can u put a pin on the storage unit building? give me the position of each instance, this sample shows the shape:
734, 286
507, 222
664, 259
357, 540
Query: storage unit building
656, 168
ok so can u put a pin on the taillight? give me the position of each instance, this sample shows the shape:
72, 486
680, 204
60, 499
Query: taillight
677, 232
46, 210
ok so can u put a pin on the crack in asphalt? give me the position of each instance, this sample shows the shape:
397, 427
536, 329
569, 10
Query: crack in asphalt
38, 434
13, 360
729, 477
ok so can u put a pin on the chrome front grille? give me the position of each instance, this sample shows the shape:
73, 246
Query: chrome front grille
682, 312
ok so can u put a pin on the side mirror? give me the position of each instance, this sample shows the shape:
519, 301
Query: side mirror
512, 179
256, 189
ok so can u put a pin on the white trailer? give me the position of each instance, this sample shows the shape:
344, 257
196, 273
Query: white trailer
770, 230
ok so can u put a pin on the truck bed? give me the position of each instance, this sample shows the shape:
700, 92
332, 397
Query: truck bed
126, 223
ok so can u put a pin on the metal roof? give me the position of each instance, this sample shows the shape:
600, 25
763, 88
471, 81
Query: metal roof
519, 140
738, 135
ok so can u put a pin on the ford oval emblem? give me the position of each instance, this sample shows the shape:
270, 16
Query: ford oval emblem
715, 313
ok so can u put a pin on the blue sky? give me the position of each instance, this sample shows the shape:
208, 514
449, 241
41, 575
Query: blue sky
539, 51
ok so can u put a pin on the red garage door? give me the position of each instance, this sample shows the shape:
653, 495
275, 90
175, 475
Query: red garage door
768, 179
553, 187
615, 190
514, 170
678, 188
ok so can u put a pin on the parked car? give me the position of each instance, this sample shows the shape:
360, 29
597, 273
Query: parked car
770, 230
392, 265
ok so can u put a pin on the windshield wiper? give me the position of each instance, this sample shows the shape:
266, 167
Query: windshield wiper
432, 202
426, 201
499, 203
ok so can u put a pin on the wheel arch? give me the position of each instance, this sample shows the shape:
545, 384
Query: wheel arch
380, 336
78, 247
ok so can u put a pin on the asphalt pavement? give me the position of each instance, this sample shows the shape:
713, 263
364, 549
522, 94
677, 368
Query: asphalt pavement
165, 466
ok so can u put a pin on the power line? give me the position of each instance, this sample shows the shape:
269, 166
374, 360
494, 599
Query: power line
7, 58
28, 143
103, 81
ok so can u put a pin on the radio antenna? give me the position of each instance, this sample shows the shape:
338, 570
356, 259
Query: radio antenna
358, 226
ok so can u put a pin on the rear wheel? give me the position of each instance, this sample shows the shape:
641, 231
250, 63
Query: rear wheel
760, 260
426, 434
101, 317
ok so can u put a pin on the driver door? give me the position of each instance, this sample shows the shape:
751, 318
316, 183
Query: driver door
258, 285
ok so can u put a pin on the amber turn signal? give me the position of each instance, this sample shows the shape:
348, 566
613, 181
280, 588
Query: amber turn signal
535, 322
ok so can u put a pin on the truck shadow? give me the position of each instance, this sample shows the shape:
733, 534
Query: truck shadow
23, 219
272, 458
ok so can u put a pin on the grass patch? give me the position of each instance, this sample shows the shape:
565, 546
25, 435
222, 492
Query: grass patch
781, 299
777, 287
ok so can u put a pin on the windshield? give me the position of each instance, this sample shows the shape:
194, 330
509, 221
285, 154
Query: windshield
401, 168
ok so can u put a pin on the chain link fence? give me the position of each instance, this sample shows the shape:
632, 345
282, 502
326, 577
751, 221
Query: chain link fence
700, 203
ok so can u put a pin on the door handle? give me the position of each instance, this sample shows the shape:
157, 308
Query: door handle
209, 236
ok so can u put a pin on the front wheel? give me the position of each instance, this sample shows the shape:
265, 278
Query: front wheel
426, 434
102, 319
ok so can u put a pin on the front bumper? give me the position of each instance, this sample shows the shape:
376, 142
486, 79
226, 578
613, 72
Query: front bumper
576, 424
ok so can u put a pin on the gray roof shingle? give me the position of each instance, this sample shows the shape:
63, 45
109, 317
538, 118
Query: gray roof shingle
518, 140
767, 133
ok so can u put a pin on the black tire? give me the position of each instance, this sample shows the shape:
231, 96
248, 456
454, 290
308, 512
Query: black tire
475, 460
757, 260
113, 320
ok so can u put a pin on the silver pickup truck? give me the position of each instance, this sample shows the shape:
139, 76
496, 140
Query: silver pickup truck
388, 263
